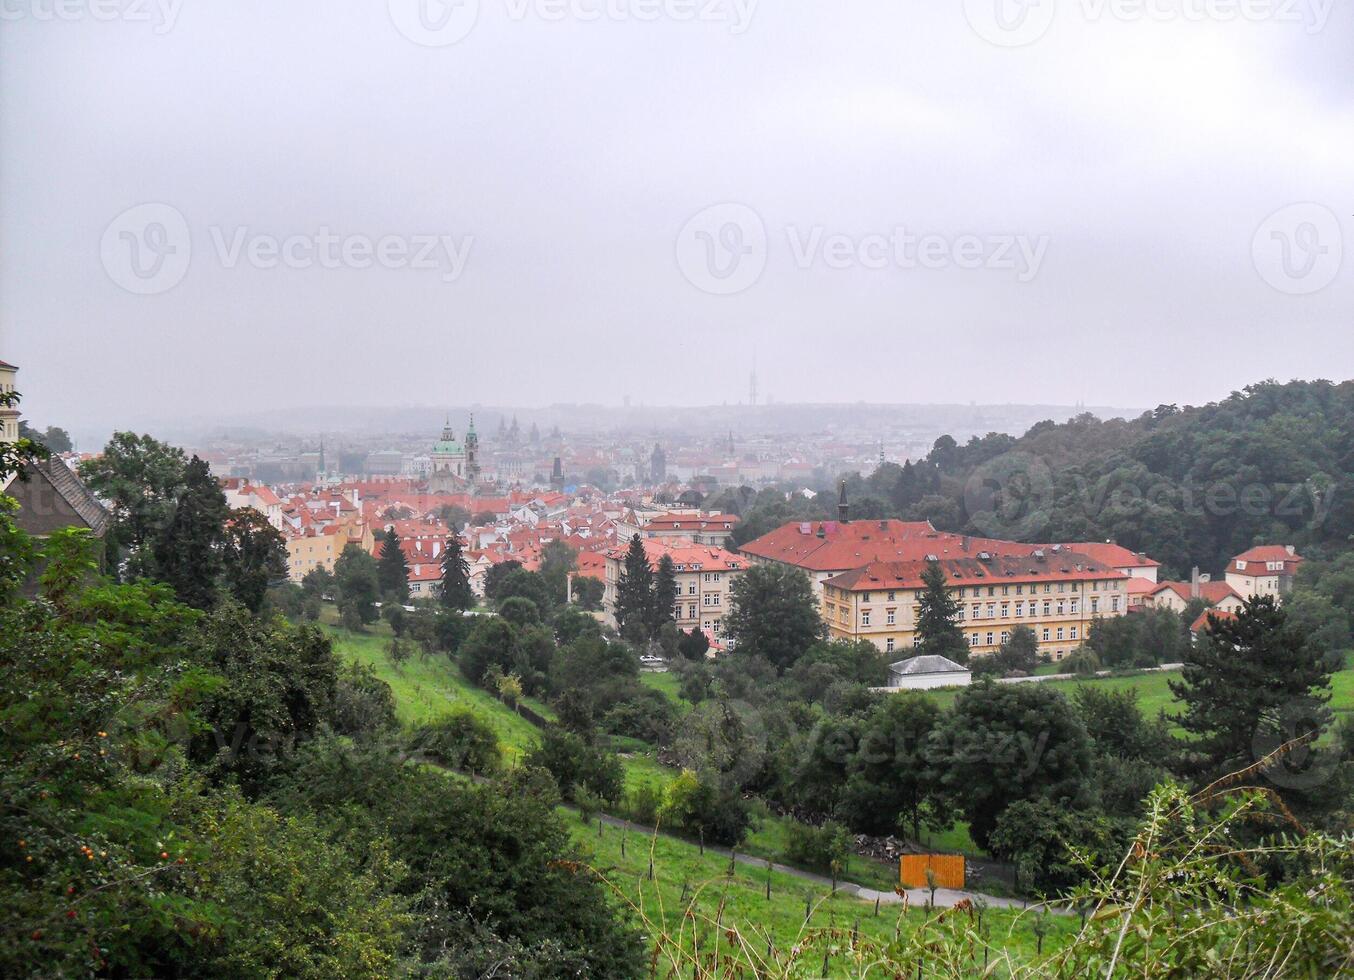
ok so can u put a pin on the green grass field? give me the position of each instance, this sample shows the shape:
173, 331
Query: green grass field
1154, 693
742, 897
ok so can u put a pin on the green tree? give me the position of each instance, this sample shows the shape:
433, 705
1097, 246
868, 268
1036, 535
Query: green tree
318, 583
1043, 839
189, 553
1250, 682
661, 610
1007, 742
557, 561
490, 644
634, 593
893, 782
774, 614
254, 556
938, 618
455, 591
497, 574
392, 569
461, 740
357, 585
588, 592
140, 478
573, 763
693, 645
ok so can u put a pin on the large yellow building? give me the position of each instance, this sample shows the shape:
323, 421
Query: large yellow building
1056, 593
705, 577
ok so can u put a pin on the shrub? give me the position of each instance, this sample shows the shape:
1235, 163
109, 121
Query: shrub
818, 847
573, 763
646, 799
363, 703
461, 740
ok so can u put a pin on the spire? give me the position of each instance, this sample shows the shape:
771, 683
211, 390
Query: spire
843, 508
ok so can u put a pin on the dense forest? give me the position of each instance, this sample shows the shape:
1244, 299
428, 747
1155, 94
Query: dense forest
1190, 486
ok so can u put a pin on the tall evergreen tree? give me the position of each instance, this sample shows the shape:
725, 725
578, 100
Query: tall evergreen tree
1249, 685
254, 556
392, 569
188, 551
634, 593
664, 595
938, 618
455, 592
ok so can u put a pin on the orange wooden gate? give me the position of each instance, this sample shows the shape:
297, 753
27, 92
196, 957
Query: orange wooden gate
947, 869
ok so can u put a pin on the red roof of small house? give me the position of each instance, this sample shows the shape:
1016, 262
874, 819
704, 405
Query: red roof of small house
1256, 561
1211, 592
1216, 615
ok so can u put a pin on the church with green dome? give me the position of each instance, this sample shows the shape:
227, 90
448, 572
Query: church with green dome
454, 466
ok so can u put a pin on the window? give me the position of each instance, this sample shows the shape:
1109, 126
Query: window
1060, 607
1005, 610
1005, 590
892, 597
991, 590
977, 610
1020, 609
991, 610
691, 611
1073, 607
865, 597
1073, 632
1047, 607
1060, 632
889, 616
1095, 604
1045, 634
916, 641
989, 638
865, 617
691, 589
1114, 603
972, 640
1005, 636
888, 645
1020, 590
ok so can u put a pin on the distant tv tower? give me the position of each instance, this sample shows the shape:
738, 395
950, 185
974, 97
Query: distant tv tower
752, 381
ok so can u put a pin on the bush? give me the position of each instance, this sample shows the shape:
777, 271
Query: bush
461, 741
819, 848
700, 807
588, 802
574, 763
363, 703
646, 800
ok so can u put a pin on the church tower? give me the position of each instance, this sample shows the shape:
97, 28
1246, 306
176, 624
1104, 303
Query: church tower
472, 455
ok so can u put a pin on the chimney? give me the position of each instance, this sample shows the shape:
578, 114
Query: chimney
1194, 582
843, 508
1292, 550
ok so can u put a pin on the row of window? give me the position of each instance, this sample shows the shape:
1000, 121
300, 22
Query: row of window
975, 591
1059, 607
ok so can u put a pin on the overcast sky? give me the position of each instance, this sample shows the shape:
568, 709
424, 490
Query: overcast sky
579, 200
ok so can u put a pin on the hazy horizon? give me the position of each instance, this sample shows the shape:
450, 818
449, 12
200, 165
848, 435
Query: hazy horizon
216, 210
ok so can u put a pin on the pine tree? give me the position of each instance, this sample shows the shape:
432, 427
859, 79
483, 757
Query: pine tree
634, 593
1251, 683
188, 550
455, 591
392, 569
664, 595
938, 618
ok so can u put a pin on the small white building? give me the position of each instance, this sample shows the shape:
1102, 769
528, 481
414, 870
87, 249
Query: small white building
920, 673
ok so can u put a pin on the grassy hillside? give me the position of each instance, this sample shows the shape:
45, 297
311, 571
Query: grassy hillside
781, 919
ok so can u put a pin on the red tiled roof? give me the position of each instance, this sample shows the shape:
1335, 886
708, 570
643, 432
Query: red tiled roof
1210, 592
1066, 566
1216, 615
828, 546
1109, 553
1257, 559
